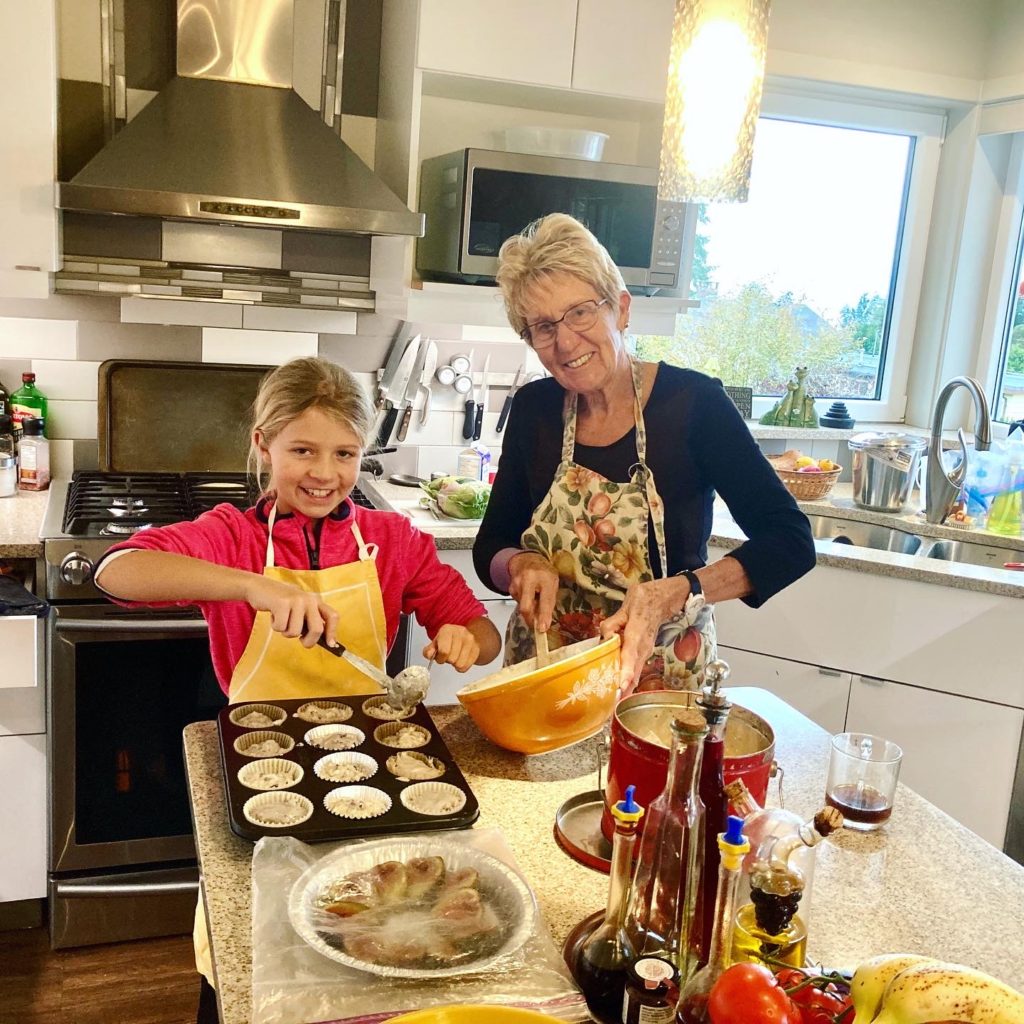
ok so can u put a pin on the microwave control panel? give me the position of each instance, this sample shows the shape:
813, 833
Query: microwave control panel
667, 247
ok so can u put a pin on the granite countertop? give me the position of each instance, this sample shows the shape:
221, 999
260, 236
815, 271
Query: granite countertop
726, 534
20, 519
923, 884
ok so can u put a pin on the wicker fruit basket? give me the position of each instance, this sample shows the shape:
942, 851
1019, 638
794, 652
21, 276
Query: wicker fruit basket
806, 486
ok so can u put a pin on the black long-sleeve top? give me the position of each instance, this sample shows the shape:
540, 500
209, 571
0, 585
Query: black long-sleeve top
697, 446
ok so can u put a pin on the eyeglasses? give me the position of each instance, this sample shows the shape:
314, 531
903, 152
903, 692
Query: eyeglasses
579, 318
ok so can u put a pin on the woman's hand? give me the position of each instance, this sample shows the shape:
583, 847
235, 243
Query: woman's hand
293, 611
646, 607
535, 586
455, 646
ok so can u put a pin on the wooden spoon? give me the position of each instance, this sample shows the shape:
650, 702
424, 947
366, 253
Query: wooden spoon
540, 638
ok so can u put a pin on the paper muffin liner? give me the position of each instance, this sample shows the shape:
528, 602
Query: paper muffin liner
248, 744
417, 772
264, 808
361, 767
357, 802
324, 712
434, 798
271, 712
401, 735
260, 774
335, 737
378, 707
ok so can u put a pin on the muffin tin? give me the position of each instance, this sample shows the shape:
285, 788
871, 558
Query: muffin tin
346, 764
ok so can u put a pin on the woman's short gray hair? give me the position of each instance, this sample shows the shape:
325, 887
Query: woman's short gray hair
553, 244
310, 383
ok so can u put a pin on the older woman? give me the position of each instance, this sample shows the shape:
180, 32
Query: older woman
602, 507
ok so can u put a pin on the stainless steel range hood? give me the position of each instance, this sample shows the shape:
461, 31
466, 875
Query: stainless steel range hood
215, 147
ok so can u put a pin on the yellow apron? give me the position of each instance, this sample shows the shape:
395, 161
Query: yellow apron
276, 667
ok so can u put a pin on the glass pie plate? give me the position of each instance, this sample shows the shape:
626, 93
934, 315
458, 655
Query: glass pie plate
431, 935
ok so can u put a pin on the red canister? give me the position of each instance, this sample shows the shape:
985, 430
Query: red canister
640, 742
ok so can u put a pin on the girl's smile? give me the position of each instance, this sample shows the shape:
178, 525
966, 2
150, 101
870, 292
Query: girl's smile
314, 463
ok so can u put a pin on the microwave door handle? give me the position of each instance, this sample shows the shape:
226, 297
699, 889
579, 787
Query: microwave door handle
135, 626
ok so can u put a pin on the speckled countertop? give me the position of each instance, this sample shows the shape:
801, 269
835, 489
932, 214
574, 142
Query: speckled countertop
20, 519
924, 883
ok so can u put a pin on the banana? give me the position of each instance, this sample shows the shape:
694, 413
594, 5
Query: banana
929, 992
872, 977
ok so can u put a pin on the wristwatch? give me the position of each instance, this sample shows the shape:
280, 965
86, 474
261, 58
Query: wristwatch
692, 579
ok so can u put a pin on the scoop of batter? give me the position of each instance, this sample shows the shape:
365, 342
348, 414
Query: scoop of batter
408, 688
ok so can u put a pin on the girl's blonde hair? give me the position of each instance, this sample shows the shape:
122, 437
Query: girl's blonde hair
302, 384
553, 244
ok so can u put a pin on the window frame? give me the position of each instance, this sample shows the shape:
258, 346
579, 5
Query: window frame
843, 108
1003, 279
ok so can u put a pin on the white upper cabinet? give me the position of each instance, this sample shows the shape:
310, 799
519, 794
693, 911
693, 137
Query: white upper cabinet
527, 41
28, 130
622, 49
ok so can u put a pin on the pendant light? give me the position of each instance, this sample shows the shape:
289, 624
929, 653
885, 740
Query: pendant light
715, 77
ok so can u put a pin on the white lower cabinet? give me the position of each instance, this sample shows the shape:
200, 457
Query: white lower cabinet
819, 693
960, 754
23, 818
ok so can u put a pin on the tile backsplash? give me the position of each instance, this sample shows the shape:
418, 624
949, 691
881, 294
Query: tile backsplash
64, 339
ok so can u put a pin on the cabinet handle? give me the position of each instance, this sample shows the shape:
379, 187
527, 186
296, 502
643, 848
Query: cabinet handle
873, 680
835, 673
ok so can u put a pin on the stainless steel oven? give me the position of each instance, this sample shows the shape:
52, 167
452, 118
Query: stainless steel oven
123, 685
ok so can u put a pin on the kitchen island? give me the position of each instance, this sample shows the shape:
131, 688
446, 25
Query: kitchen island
923, 884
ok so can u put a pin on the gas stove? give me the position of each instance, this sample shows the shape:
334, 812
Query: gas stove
95, 510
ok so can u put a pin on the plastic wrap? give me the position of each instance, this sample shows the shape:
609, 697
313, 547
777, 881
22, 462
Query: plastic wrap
456, 924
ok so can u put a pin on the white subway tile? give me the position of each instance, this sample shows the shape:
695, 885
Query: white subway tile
256, 347
66, 379
437, 459
71, 420
62, 458
438, 430
37, 339
280, 318
473, 333
180, 311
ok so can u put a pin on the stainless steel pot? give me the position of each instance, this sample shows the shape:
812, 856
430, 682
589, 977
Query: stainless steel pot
884, 469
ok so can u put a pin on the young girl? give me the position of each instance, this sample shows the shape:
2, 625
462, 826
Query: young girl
305, 561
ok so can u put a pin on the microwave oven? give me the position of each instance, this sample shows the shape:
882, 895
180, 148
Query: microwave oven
476, 198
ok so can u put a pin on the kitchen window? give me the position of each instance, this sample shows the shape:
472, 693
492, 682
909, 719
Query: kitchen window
822, 267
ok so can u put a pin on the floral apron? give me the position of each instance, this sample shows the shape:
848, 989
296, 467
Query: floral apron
594, 533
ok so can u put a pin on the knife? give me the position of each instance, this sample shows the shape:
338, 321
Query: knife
428, 376
412, 387
361, 664
395, 391
398, 349
478, 424
507, 406
470, 420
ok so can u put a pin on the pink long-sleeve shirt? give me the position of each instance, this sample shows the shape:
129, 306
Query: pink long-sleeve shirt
412, 578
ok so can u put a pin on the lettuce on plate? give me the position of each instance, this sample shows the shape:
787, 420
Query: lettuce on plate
459, 497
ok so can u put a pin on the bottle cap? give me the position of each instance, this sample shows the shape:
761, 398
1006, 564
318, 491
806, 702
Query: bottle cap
32, 426
28, 377
7, 461
733, 844
627, 809
5, 424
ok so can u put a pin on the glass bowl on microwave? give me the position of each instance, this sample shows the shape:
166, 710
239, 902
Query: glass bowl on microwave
578, 143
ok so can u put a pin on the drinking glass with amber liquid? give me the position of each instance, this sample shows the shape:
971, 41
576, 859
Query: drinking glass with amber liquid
862, 774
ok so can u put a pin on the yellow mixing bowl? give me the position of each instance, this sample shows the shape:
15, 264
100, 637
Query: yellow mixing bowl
533, 710
472, 1015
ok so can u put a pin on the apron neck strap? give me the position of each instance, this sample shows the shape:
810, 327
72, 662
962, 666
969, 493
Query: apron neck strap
270, 536
366, 551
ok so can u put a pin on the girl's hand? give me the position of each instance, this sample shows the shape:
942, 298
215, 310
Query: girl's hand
455, 646
535, 586
293, 612
646, 607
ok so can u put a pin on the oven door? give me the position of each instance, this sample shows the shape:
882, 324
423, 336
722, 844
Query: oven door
123, 685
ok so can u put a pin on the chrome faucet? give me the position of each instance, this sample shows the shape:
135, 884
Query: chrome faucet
942, 488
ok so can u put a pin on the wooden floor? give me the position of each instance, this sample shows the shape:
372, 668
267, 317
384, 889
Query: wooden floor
153, 981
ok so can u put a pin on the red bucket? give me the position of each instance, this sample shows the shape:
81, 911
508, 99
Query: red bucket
640, 744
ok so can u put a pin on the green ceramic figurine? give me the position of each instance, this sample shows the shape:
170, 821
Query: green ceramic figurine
795, 408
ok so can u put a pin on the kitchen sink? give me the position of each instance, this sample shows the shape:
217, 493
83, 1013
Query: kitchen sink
888, 538
864, 535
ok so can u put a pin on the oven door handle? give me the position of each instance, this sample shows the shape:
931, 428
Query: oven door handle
196, 626
98, 890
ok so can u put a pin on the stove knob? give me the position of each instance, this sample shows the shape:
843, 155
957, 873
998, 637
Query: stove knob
76, 569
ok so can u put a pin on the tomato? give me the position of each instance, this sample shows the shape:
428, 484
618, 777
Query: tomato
749, 994
818, 1002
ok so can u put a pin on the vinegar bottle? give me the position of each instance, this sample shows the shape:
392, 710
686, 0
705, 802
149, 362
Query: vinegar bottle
600, 967
715, 707
659, 920
692, 1007
769, 928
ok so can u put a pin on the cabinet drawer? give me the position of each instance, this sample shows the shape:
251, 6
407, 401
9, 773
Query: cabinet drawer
23, 819
21, 641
